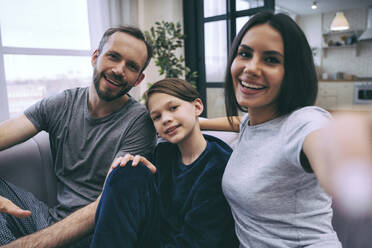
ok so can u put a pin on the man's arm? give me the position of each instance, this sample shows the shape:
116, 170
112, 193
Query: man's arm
12, 132
16, 130
72, 228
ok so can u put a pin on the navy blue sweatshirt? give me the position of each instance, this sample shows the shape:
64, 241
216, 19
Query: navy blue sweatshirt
194, 210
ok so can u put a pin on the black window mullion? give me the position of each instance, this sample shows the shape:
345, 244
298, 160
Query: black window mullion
194, 22
269, 4
215, 18
231, 25
249, 12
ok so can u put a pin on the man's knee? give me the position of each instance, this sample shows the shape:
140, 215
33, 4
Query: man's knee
6, 235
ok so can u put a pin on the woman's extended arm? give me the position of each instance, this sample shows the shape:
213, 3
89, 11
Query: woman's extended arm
341, 157
220, 124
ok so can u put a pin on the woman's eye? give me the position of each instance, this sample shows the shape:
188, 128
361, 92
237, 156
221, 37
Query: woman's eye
272, 60
244, 54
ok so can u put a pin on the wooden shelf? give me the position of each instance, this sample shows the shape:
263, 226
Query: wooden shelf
336, 81
346, 32
354, 46
335, 36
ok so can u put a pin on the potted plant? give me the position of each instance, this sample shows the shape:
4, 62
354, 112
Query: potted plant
167, 38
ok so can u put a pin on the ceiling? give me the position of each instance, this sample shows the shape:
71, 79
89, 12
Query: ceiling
303, 7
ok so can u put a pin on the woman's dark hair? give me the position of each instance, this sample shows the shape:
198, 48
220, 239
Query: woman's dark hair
175, 87
300, 85
135, 32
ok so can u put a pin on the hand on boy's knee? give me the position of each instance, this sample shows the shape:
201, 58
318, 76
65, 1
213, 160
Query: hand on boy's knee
139, 159
6, 206
122, 161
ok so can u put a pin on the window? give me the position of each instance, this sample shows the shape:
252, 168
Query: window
45, 47
210, 27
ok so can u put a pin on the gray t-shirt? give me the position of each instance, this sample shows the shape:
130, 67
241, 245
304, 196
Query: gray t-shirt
83, 147
275, 201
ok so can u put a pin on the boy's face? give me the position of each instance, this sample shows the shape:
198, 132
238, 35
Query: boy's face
174, 119
118, 67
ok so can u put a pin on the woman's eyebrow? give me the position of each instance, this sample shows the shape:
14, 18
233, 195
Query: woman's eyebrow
268, 52
273, 52
245, 47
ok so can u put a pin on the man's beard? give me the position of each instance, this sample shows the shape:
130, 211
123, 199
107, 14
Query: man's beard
108, 96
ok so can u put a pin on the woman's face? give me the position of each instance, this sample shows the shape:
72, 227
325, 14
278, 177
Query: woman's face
258, 69
174, 119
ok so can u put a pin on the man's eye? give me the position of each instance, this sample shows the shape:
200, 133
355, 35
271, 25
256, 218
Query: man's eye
133, 67
113, 56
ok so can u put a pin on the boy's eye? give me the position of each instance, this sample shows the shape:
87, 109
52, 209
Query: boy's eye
173, 108
155, 117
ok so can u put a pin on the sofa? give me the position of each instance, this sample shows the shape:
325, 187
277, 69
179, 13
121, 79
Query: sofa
29, 165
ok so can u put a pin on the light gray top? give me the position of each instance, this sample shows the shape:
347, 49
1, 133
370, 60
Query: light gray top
83, 147
277, 202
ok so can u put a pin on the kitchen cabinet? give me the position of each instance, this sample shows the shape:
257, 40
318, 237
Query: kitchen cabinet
337, 95
341, 40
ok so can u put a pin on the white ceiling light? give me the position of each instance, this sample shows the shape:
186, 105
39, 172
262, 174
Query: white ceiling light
340, 22
315, 5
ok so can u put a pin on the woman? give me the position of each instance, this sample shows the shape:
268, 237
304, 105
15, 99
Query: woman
273, 178
184, 206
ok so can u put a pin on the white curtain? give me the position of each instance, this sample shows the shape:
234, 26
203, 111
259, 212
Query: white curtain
110, 13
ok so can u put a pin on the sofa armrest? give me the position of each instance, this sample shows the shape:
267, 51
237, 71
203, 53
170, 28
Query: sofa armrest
29, 166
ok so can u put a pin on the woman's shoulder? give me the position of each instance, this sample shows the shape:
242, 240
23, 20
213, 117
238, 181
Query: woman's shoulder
309, 114
306, 119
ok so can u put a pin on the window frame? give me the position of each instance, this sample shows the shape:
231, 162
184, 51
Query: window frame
194, 20
96, 26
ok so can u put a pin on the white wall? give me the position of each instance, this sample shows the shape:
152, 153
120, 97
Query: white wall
311, 24
345, 59
149, 12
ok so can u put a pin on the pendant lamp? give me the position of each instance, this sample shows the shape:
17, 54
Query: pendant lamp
339, 22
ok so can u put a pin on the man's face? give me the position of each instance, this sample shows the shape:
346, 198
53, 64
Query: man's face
118, 67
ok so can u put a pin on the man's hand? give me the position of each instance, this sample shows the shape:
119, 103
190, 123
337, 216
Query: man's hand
122, 161
6, 206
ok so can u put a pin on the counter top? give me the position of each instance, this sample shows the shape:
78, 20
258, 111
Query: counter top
346, 81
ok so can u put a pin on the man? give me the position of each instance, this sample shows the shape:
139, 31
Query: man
88, 128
